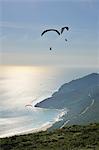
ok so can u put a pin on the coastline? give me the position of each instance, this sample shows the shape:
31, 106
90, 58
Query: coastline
44, 127
30, 131
48, 125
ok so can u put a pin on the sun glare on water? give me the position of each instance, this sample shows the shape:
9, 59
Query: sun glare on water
21, 86
21, 83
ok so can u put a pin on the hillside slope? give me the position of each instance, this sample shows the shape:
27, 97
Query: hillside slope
80, 97
72, 92
68, 138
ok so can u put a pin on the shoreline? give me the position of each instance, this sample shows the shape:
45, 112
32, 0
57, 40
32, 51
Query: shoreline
35, 130
44, 127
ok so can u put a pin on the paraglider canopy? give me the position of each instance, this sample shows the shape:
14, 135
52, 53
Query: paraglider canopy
50, 30
28, 105
62, 29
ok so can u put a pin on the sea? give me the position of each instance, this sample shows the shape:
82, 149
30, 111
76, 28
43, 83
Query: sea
21, 87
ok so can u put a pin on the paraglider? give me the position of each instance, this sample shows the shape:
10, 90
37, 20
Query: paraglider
59, 33
62, 29
50, 48
28, 105
50, 30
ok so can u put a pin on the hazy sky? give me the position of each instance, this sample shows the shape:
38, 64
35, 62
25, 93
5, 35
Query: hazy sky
22, 22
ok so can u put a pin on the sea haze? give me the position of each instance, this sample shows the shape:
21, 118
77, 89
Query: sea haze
21, 86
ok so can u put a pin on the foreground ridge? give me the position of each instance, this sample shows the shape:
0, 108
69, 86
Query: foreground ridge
75, 137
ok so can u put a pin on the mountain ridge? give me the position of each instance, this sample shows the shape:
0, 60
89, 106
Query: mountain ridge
74, 88
80, 97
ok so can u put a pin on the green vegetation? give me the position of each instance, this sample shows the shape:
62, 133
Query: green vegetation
75, 137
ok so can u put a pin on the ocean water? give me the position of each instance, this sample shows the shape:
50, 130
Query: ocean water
21, 87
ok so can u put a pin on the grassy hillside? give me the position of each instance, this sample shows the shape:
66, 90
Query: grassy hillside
68, 138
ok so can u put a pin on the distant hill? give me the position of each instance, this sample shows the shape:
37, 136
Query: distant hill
80, 97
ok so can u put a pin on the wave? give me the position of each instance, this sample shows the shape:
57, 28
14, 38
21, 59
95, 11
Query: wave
62, 113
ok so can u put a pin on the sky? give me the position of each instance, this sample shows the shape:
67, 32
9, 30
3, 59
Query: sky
23, 21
